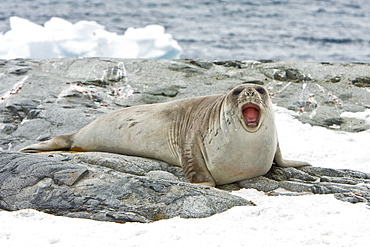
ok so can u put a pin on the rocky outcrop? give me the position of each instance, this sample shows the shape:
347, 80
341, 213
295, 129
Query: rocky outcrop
346, 185
78, 185
43, 98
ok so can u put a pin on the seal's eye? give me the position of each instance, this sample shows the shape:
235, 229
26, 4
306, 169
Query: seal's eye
238, 91
261, 90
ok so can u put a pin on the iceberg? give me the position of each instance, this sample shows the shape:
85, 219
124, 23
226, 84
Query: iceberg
59, 38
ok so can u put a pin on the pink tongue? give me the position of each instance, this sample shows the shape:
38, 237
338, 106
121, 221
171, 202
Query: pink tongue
250, 114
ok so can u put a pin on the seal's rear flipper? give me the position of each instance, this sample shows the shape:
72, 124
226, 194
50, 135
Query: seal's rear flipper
279, 161
62, 142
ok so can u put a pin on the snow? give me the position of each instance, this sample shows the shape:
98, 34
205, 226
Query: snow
275, 221
309, 220
365, 115
60, 38
323, 147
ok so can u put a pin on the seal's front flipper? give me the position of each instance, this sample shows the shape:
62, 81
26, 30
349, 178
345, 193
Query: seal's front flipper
62, 142
195, 171
278, 160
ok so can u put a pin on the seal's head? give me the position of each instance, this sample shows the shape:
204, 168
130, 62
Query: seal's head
253, 104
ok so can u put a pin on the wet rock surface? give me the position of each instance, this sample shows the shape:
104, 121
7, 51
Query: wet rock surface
43, 98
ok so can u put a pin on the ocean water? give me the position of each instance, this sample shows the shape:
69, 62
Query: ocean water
295, 30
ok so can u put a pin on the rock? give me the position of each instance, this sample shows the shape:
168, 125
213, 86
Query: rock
346, 185
170, 91
202, 64
40, 99
119, 188
362, 81
291, 74
335, 79
261, 183
64, 185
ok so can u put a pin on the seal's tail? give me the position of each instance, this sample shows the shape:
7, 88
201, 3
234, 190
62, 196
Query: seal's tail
62, 142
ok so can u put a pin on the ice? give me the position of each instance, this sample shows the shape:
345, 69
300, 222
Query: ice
59, 38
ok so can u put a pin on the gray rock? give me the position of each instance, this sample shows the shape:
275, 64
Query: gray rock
362, 81
317, 92
346, 185
64, 185
43, 98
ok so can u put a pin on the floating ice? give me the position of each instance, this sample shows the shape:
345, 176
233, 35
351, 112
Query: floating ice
60, 38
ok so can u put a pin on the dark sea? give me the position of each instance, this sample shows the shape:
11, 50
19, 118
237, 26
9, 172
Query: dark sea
310, 30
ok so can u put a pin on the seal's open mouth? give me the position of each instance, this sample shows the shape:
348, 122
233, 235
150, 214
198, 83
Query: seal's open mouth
251, 114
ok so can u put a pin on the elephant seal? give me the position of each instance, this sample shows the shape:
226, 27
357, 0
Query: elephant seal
215, 139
